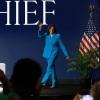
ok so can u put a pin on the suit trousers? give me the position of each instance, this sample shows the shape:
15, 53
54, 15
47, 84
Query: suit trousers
50, 71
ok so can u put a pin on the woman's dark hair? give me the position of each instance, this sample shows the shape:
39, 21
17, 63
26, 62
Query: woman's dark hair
52, 25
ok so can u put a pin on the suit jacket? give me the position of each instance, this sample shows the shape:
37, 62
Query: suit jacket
52, 44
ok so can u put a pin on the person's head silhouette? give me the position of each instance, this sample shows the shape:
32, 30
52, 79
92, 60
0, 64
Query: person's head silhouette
26, 74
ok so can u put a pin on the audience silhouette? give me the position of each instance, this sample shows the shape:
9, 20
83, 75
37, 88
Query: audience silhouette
6, 90
25, 78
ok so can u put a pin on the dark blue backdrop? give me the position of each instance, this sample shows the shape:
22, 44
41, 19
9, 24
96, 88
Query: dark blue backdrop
21, 41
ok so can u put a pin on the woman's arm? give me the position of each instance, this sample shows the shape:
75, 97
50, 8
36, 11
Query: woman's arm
62, 46
40, 33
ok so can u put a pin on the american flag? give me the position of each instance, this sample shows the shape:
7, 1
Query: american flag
90, 38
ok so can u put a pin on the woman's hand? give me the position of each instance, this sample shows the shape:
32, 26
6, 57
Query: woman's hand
40, 24
67, 58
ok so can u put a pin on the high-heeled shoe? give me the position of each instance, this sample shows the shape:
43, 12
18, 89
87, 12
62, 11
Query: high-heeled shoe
43, 84
52, 86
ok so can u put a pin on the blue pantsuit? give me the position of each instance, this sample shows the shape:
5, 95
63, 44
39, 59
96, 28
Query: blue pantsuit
52, 44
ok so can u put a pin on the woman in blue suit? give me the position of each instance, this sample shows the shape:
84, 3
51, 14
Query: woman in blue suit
52, 43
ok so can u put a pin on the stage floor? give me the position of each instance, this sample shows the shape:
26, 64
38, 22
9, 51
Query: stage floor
63, 88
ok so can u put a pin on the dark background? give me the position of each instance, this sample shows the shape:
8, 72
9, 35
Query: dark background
21, 41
